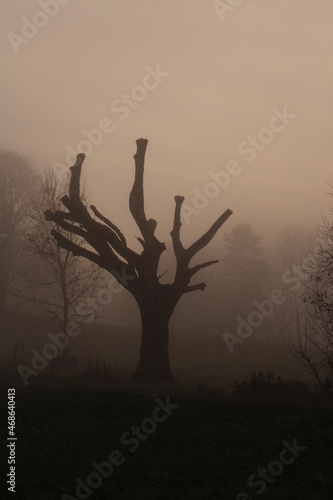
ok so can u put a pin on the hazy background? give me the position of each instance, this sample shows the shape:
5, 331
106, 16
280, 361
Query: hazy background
225, 77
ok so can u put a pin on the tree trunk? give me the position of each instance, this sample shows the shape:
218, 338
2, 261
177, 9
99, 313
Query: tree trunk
154, 354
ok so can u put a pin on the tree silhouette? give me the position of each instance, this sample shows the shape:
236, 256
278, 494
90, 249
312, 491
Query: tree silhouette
56, 279
138, 273
244, 262
18, 180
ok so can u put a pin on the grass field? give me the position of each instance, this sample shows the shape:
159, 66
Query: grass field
194, 358
205, 449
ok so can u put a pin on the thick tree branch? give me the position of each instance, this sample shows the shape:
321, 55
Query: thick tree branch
77, 249
193, 270
71, 228
175, 233
193, 288
109, 223
93, 237
66, 215
208, 236
153, 248
105, 239
74, 184
184, 255
141, 241
136, 198
132, 257
80, 213
113, 265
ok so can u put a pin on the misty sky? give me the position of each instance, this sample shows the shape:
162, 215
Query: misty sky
221, 81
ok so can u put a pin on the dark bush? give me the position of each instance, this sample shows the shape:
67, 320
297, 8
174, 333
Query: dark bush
268, 386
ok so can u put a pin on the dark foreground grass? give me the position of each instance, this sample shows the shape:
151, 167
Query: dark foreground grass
206, 449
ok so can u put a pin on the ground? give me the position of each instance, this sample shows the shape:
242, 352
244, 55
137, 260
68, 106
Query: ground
206, 448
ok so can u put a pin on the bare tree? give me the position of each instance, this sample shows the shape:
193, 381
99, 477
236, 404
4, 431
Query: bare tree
301, 339
305, 319
286, 272
17, 187
137, 272
319, 299
56, 279
245, 267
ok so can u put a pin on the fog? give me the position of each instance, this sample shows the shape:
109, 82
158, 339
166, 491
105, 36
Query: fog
236, 106
166, 248
224, 79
